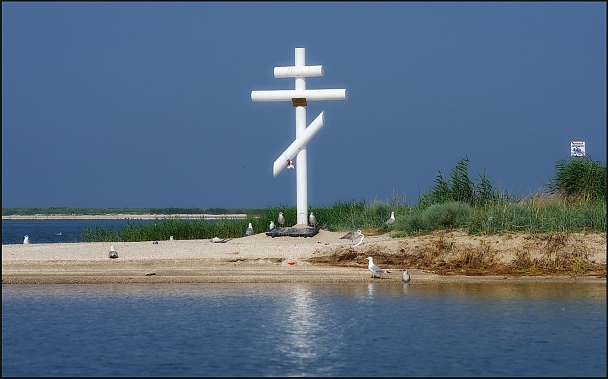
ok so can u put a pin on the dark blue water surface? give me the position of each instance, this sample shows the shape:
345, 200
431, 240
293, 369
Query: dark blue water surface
376, 329
57, 231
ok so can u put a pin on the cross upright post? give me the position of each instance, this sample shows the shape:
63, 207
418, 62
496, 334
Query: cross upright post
299, 98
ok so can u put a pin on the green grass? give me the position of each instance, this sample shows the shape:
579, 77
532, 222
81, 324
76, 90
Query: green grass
576, 202
537, 214
579, 177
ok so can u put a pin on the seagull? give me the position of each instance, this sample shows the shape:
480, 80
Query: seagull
281, 219
352, 236
249, 230
391, 219
312, 220
361, 240
113, 253
406, 277
272, 225
349, 236
26, 239
219, 240
375, 269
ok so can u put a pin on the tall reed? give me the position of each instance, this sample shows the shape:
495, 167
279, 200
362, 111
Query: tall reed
579, 177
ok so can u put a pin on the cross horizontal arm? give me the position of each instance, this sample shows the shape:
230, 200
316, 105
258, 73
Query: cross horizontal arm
298, 71
287, 95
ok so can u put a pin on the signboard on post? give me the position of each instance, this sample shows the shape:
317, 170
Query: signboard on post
577, 148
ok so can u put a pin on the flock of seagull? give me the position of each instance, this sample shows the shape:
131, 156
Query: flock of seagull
352, 235
375, 270
312, 220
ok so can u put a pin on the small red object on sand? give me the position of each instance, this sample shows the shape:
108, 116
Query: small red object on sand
291, 263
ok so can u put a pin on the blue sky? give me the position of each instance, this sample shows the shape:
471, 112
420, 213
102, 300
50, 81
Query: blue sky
148, 104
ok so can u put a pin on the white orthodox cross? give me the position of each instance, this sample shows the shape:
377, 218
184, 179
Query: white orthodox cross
299, 98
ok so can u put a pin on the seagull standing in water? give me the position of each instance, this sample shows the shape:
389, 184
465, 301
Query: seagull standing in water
249, 230
406, 277
281, 219
312, 220
26, 239
391, 220
375, 269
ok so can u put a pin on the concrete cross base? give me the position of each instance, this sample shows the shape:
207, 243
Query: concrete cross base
295, 231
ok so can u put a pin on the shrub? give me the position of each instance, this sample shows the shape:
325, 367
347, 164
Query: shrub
411, 224
448, 215
579, 178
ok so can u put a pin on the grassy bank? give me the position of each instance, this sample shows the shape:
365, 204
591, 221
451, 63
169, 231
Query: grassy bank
535, 215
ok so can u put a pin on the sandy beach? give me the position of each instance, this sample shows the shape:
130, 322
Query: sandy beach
261, 259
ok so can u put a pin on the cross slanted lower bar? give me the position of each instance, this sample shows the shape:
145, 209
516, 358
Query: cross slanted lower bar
299, 99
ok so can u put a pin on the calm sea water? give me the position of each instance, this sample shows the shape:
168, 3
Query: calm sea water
376, 329
56, 231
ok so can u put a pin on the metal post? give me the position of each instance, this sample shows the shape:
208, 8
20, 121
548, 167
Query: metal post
301, 164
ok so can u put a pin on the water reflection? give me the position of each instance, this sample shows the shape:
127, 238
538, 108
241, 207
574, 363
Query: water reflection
371, 290
301, 293
302, 327
511, 290
306, 329
306, 322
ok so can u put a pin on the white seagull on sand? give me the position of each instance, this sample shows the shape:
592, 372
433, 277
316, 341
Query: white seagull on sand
26, 239
249, 230
312, 220
113, 253
272, 225
353, 236
281, 219
391, 220
375, 269
406, 277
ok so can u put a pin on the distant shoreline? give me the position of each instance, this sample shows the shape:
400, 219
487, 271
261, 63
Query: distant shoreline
236, 216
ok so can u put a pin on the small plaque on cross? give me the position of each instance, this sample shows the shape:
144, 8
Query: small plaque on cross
298, 101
